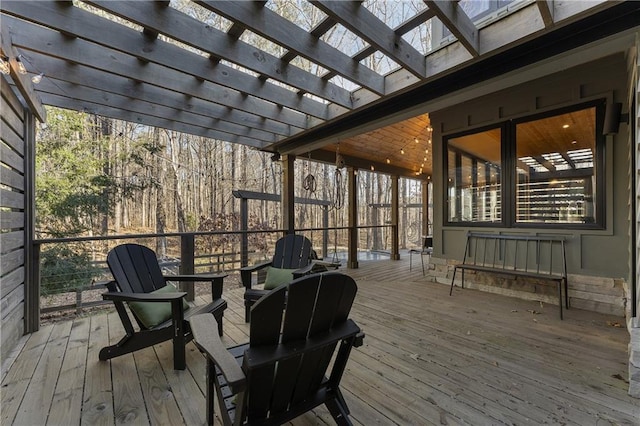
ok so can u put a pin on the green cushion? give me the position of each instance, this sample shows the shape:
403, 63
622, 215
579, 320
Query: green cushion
277, 276
151, 314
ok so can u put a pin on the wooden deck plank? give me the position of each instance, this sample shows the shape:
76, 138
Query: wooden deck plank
428, 358
36, 403
158, 397
182, 384
483, 356
97, 408
66, 406
15, 383
128, 400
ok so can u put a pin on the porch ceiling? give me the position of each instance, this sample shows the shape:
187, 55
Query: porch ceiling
296, 91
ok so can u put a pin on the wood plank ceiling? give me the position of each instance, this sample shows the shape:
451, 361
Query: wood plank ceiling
264, 73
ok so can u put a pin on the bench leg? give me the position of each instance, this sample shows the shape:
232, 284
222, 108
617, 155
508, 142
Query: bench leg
452, 280
422, 260
560, 297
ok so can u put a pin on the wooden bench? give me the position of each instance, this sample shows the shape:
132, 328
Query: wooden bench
541, 257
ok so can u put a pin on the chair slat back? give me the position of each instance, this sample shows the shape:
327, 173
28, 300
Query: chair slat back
292, 252
135, 268
314, 304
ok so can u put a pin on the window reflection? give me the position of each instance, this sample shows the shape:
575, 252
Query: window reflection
473, 171
555, 169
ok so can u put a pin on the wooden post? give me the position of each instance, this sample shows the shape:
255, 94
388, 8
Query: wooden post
425, 208
288, 194
32, 251
244, 226
325, 231
395, 211
187, 263
352, 254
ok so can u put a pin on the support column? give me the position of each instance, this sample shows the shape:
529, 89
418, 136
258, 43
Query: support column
633, 314
244, 225
395, 214
288, 195
187, 263
425, 208
352, 256
325, 231
32, 253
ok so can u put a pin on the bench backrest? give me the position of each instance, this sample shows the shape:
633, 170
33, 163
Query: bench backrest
541, 255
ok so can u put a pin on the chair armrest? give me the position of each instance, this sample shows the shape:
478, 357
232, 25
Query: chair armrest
254, 268
245, 273
265, 355
143, 297
303, 271
202, 328
215, 279
327, 264
195, 277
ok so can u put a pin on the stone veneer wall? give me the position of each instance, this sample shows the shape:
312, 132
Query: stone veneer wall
634, 357
597, 294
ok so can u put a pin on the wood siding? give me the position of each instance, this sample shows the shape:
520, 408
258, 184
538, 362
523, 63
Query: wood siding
12, 221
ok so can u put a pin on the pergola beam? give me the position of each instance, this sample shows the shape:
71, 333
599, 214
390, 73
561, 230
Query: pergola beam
454, 18
190, 31
546, 11
358, 19
25, 87
277, 29
79, 51
106, 83
119, 114
136, 107
83, 24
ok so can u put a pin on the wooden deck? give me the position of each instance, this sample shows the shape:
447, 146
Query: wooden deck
473, 358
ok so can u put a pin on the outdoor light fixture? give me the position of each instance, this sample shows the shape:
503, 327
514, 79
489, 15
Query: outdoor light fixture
21, 68
37, 78
402, 151
388, 160
5, 68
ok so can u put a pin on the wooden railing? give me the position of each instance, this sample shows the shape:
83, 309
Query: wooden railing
185, 258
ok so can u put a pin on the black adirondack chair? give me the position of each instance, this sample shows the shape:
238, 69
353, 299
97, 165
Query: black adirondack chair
137, 274
292, 252
282, 372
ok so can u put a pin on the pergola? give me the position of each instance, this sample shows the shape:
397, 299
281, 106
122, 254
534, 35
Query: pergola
296, 92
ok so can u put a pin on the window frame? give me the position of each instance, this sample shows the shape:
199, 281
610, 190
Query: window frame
508, 174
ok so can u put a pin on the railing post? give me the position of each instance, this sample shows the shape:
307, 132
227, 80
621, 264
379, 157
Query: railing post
288, 194
32, 296
352, 255
187, 263
244, 226
325, 231
395, 207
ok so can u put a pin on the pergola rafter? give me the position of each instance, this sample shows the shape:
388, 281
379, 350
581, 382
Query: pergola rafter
188, 30
277, 29
359, 20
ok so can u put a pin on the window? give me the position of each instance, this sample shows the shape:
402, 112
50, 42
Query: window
556, 173
474, 165
545, 170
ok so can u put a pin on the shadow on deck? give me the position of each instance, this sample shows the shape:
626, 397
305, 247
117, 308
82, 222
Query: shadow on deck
474, 358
